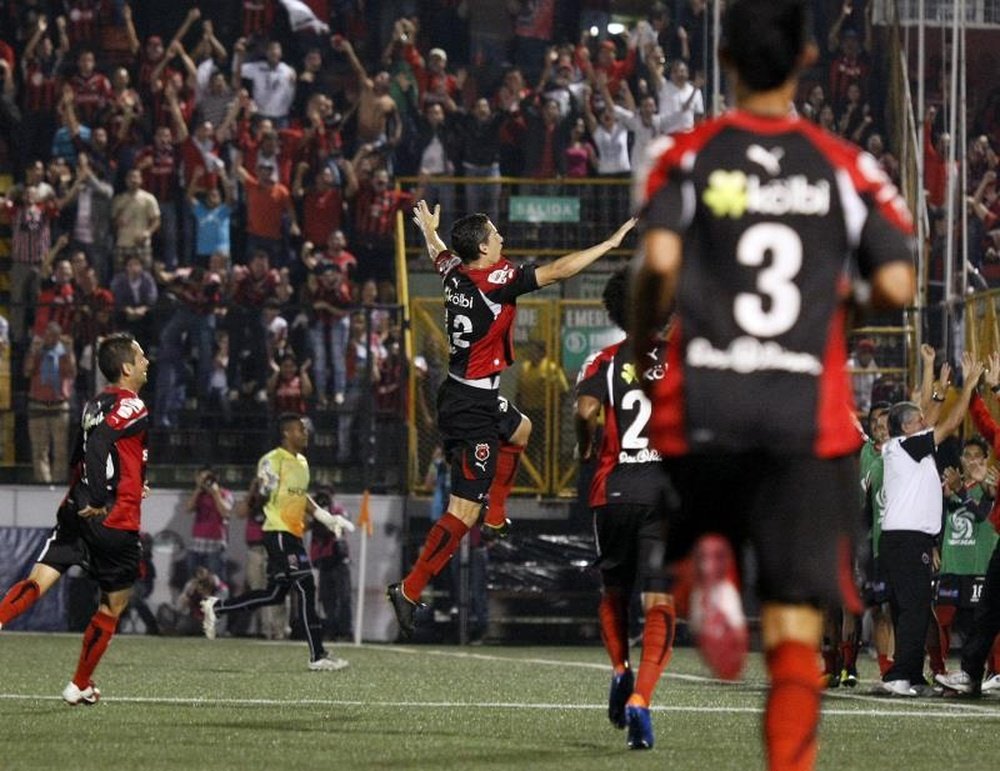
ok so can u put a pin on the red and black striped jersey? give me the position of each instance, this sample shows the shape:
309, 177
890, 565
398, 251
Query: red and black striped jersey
776, 216
90, 96
480, 305
628, 466
109, 464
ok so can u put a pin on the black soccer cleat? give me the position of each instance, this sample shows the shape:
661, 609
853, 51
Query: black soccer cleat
404, 608
494, 532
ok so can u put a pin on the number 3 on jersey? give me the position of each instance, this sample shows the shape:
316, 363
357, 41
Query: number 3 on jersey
462, 325
774, 282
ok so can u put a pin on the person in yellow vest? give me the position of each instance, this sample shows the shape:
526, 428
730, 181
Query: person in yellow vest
283, 483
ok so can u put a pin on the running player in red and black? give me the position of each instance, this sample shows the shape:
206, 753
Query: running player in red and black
630, 495
483, 434
756, 222
98, 522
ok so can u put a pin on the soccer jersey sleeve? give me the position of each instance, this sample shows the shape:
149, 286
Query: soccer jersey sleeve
512, 282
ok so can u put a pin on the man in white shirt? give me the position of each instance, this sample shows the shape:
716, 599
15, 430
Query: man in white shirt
273, 82
912, 521
681, 102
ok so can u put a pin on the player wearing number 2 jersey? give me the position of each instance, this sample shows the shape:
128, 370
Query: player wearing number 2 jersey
483, 433
755, 223
630, 496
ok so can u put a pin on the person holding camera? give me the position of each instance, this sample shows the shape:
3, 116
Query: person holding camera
211, 505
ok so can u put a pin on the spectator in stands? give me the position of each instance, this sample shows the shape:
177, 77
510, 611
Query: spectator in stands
135, 294
56, 297
850, 64
273, 81
289, 387
610, 135
814, 101
437, 150
51, 368
91, 90
213, 218
160, 164
211, 504
542, 135
864, 372
41, 63
534, 29
856, 118
331, 557
253, 285
136, 215
886, 160
680, 100
336, 253
220, 396
478, 147
92, 321
323, 202
192, 323
88, 208
30, 221
378, 123
580, 155
326, 296
363, 353
268, 204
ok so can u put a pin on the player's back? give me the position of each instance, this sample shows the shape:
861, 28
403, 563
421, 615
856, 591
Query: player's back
628, 467
777, 217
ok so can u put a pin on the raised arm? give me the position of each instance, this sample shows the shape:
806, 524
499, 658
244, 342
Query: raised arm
972, 371
655, 284
569, 265
133, 39
428, 221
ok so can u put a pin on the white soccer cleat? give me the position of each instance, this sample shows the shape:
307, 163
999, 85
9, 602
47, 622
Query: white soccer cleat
327, 664
209, 619
76, 697
991, 684
897, 687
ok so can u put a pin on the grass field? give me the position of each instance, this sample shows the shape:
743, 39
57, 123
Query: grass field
242, 704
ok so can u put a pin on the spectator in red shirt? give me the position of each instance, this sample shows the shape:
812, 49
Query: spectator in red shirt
160, 166
253, 286
336, 253
91, 90
323, 202
289, 386
40, 66
326, 297
268, 204
56, 298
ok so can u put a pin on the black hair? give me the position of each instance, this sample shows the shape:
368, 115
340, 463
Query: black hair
284, 419
467, 234
979, 442
113, 352
615, 297
899, 414
763, 39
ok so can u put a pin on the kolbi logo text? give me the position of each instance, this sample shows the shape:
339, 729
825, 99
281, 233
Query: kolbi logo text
457, 298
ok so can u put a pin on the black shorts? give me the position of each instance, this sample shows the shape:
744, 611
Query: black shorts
473, 423
631, 544
287, 559
958, 590
111, 557
799, 513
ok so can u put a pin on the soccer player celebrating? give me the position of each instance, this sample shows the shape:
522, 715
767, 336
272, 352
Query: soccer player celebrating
483, 434
630, 495
753, 221
98, 523
282, 481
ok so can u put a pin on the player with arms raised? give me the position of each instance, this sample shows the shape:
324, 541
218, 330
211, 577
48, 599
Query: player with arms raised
755, 221
483, 433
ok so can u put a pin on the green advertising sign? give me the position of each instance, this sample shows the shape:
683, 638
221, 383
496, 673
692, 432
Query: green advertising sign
532, 208
585, 331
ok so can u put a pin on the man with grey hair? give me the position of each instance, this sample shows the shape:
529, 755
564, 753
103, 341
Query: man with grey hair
912, 521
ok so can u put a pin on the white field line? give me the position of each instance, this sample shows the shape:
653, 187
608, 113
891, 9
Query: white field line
202, 701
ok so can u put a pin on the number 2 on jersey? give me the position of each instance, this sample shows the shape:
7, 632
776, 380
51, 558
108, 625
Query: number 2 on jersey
633, 438
774, 282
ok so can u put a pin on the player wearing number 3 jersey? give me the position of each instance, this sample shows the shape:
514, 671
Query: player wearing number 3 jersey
483, 434
756, 224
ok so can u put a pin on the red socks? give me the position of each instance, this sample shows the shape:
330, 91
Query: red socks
945, 618
96, 639
848, 654
657, 648
791, 717
503, 481
21, 596
613, 614
442, 541
884, 664
995, 657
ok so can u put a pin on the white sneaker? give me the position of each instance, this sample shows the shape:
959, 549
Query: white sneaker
210, 619
957, 681
74, 696
897, 687
991, 684
327, 664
